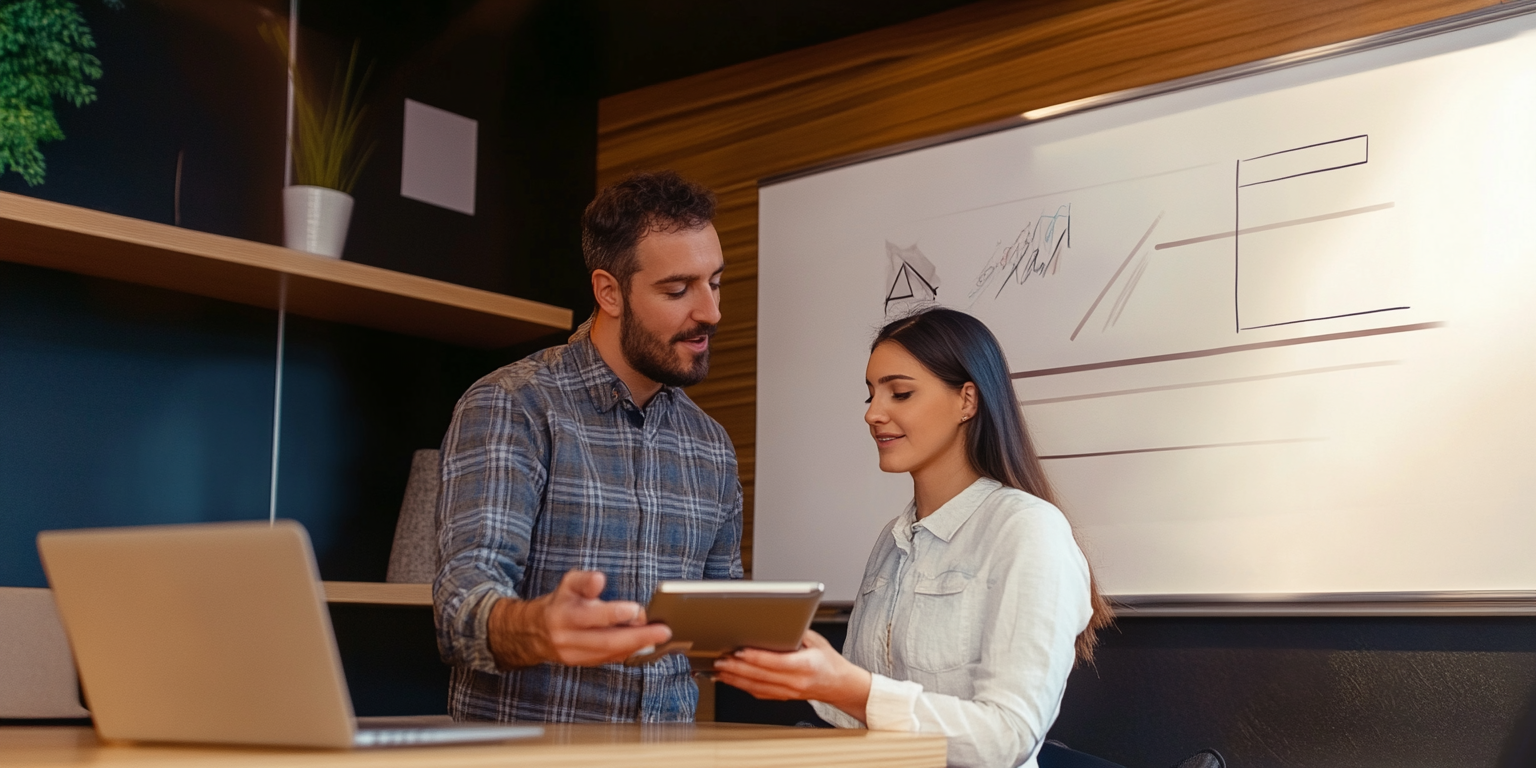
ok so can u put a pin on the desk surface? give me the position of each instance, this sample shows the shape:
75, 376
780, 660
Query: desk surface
562, 746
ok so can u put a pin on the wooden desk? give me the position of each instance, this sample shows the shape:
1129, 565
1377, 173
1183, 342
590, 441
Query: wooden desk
562, 746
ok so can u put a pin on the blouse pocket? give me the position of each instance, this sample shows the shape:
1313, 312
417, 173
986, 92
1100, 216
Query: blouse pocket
940, 632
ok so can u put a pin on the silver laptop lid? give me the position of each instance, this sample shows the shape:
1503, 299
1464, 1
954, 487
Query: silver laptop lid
204, 633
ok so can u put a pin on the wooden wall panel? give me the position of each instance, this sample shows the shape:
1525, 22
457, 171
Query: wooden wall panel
966, 67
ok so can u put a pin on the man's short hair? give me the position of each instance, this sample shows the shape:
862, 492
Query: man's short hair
659, 201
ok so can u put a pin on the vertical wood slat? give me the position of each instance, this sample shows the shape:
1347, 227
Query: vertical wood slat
965, 67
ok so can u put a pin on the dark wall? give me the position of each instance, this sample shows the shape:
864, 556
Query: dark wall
179, 78
126, 405
1273, 693
525, 71
1382, 692
121, 404
643, 43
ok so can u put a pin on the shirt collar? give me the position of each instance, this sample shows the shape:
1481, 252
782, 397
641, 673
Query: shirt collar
605, 387
947, 519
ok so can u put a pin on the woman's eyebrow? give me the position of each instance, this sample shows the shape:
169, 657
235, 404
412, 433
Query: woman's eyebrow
894, 377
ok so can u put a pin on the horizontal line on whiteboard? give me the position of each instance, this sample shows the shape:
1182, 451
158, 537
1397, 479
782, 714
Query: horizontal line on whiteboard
1254, 165
1330, 317
1165, 449
1211, 383
1223, 350
1276, 225
1298, 175
1306, 147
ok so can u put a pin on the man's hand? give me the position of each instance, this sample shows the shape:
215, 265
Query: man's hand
570, 626
816, 671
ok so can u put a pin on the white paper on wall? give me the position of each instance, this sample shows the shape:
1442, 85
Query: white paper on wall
437, 165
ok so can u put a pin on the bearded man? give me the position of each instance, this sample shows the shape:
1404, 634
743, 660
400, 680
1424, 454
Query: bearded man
577, 478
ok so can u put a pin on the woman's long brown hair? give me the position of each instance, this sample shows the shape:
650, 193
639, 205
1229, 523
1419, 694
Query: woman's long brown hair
958, 349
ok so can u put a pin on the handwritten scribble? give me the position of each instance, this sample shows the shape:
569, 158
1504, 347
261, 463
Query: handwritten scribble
1034, 252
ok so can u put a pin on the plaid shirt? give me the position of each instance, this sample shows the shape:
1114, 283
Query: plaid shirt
549, 466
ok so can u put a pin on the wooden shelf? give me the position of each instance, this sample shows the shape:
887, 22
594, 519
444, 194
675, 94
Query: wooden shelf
377, 592
88, 242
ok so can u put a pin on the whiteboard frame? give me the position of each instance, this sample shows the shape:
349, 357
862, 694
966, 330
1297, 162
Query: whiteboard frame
1469, 603
1445, 603
1340, 604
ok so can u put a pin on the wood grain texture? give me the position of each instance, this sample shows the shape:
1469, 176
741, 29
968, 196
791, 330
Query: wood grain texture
88, 242
562, 746
377, 593
966, 67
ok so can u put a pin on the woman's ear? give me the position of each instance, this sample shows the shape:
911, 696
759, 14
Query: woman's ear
968, 401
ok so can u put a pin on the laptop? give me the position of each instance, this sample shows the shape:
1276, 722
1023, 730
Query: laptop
216, 633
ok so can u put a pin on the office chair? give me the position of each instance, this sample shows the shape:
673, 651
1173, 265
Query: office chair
413, 557
1054, 754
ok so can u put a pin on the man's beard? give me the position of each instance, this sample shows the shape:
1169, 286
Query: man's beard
655, 360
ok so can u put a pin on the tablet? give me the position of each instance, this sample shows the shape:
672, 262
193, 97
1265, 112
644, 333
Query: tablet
712, 618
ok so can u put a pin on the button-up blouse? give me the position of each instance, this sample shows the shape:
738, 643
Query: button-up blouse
968, 620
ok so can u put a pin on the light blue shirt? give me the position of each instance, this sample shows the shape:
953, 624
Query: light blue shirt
968, 619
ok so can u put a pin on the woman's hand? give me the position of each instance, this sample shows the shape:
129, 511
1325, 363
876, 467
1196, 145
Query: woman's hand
816, 671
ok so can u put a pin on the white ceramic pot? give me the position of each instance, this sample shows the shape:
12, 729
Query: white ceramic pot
315, 219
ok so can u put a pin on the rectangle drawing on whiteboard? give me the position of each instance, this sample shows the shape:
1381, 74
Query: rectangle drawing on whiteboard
1314, 241
1314, 158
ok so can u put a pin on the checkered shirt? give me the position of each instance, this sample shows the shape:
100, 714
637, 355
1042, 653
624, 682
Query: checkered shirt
549, 466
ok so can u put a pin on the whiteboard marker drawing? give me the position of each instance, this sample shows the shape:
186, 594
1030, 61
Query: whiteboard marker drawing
1276, 253
911, 278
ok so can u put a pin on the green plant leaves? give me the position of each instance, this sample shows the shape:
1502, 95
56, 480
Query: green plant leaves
43, 56
328, 148
327, 151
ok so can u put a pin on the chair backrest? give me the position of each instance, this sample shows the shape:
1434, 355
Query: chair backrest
413, 558
37, 671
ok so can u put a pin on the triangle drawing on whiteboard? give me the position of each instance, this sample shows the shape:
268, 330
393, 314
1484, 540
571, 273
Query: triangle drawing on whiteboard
902, 288
911, 279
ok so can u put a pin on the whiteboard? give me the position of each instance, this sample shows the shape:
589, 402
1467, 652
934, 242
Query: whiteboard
1272, 335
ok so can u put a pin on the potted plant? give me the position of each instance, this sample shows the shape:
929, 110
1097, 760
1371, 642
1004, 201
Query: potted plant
329, 152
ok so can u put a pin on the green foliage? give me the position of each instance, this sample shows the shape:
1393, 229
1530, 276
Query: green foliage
328, 149
43, 56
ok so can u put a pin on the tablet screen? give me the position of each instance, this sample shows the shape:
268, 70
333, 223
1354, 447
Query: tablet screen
712, 618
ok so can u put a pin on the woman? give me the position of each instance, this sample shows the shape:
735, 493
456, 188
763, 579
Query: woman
976, 599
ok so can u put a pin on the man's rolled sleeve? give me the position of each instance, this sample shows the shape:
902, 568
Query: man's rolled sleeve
495, 458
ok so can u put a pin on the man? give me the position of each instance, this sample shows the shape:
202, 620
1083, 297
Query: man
577, 478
